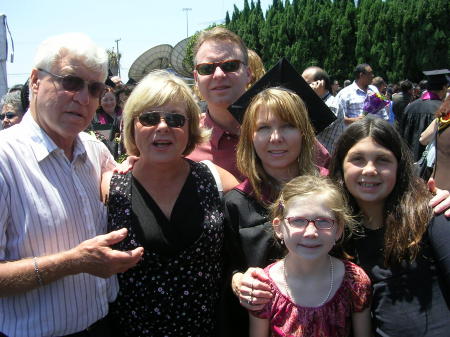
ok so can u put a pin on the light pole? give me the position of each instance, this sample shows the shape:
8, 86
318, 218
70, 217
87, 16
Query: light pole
187, 20
118, 57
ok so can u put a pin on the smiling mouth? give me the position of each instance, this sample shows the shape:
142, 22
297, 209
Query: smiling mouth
162, 143
310, 245
223, 87
368, 185
277, 152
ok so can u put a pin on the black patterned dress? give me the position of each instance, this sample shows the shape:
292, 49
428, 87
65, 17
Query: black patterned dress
174, 290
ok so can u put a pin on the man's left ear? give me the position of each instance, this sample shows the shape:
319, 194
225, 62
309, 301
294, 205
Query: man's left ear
34, 80
195, 76
249, 74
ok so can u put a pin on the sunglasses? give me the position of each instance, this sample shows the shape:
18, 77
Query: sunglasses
9, 115
152, 118
319, 223
209, 68
75, 83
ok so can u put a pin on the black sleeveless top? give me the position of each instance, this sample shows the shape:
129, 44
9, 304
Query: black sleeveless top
174, 290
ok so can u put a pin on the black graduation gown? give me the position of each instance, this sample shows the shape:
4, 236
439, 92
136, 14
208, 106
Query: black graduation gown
417, 116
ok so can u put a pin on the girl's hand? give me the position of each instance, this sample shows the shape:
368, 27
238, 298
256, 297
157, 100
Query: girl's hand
441, 201
252, 288
126, 165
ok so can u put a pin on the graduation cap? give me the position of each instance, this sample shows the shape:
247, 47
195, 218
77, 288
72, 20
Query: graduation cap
438, 77
284, 75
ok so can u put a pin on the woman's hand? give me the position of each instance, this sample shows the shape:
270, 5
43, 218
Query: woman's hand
441, 200
252, 288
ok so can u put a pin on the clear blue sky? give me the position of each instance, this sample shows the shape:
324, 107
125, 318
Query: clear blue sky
140, 24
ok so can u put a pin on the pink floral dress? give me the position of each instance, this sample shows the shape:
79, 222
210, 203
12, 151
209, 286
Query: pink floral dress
333, 318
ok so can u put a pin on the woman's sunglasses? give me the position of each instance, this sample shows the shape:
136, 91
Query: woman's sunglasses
209, 68
152, 118
75, 83
9, 115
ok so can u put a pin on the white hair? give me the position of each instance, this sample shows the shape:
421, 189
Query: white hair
75, 44
14, 100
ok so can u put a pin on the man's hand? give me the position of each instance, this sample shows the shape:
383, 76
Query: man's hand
318, 87
126, 165
350, 120
96, 257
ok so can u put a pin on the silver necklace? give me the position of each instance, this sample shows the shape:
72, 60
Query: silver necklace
286, 287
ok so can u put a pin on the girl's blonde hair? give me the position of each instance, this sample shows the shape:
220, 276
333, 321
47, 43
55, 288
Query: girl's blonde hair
289, 107
308, 186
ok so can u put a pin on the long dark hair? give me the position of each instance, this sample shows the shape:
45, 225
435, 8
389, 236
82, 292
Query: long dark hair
406, 208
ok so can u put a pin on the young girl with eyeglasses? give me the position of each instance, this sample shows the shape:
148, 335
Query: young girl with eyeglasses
314, 293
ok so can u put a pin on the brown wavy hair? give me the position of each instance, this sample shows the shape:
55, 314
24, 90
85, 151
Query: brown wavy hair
406, 210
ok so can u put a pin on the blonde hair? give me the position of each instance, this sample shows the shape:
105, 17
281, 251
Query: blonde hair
256, 67
220, 34
310, 186
289, 107
154, 90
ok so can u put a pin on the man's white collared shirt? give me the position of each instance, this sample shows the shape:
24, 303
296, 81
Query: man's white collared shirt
49, 205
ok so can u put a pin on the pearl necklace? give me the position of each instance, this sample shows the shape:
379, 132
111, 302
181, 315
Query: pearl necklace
286, 287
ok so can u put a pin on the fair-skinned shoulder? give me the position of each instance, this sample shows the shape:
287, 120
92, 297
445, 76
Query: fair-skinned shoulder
228, 180
427, 135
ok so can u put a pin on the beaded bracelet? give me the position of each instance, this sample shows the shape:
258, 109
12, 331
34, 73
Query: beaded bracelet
36, 271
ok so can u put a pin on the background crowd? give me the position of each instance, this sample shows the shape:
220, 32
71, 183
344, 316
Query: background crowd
213, 196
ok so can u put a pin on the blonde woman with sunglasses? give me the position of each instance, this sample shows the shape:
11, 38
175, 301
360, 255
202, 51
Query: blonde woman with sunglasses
172, 207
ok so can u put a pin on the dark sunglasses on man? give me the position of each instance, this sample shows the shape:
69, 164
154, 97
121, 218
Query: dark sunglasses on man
74, 84
8, 115
209, 68
152, 118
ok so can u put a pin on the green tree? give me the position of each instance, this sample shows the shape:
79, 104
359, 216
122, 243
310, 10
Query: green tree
341, 52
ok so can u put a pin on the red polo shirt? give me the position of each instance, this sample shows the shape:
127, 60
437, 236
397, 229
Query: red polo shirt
220, 149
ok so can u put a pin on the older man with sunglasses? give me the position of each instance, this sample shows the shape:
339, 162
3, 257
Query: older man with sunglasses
55, 260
